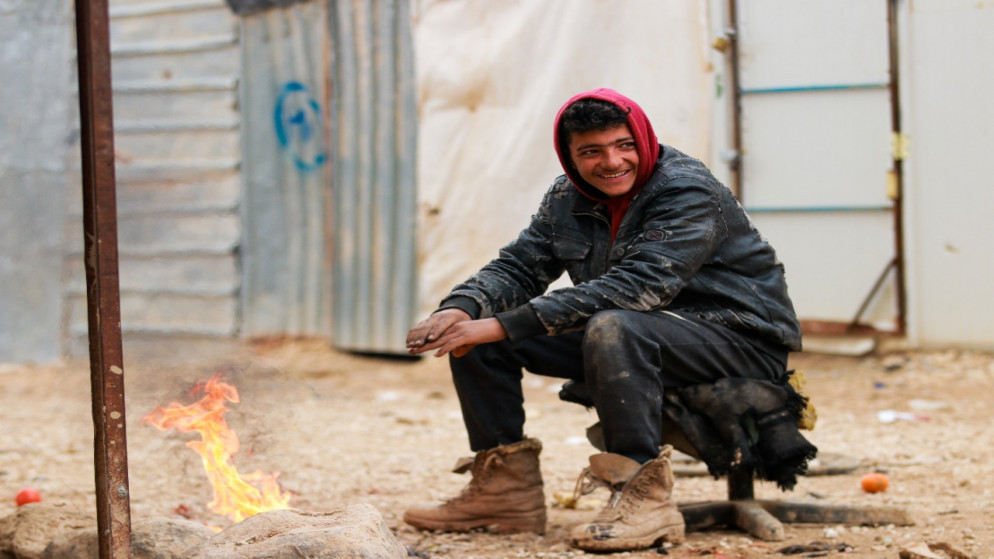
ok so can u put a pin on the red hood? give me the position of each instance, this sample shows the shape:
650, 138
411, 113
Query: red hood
645, 140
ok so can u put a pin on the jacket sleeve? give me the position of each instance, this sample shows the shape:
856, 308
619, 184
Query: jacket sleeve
681, 227
523, 270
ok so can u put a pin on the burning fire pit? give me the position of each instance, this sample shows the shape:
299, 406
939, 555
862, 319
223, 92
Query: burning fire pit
235, 496
264, 524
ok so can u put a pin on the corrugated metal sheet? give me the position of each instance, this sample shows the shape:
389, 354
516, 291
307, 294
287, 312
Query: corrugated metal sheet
36, 116
176, 120
246, 7
284, 93
374, 123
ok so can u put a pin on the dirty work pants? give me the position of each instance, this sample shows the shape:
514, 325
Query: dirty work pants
626, 359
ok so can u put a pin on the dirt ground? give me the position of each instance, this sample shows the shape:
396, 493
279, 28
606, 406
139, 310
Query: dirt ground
344, 429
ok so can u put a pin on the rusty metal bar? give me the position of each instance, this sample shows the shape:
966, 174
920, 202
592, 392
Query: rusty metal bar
102, 285
734, 87
877, 285
838, 328
898, 167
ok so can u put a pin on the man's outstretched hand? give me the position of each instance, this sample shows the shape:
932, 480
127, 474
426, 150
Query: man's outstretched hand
452, 330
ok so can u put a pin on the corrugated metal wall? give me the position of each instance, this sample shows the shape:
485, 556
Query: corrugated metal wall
375, 132
36, 115
175, 70
284, 96
226, 169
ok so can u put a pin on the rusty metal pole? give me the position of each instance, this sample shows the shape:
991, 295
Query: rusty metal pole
732, 33
102, 286
894, 64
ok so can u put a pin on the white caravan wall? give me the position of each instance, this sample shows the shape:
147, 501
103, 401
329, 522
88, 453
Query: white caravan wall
491, 77
816, 137
950, 192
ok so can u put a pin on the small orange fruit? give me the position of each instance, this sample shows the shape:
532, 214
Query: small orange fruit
875, 482
27, 495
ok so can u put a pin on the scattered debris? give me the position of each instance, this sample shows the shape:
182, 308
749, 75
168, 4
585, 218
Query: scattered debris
928, 405
890, 416
318, 417
568, 500
937, 550
874, 482
815, 549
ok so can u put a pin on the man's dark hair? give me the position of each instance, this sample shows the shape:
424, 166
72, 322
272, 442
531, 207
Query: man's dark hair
588, 114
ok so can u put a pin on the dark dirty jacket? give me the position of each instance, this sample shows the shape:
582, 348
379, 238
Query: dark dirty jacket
684, 246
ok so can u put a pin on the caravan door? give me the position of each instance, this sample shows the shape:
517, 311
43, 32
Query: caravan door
819, 172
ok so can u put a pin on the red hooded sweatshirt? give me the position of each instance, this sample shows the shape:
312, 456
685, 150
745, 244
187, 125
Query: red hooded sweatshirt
646, 145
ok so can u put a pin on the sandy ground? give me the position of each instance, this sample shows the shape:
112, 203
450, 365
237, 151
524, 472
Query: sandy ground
344, 429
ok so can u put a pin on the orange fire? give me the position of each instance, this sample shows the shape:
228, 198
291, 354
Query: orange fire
235, 496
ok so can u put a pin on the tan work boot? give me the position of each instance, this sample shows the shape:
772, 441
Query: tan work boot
641, 510
506, 491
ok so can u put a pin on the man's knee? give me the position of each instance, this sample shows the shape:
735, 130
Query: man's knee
611, 355
607, 329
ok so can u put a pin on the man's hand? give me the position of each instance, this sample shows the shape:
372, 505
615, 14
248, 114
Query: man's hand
431, 329
452, 330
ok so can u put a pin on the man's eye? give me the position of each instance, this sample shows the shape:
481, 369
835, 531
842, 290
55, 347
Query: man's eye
628, 145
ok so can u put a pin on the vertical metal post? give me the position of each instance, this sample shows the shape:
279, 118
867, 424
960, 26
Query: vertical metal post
898, 169
732, 33
102, 286
740, 485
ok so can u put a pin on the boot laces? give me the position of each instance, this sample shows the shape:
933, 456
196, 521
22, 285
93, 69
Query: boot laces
625, 498
635, 492
480, 474
588, 482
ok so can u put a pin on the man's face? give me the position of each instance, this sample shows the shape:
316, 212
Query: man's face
607, 159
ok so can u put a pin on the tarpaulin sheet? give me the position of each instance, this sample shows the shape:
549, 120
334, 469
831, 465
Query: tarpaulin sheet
491, 76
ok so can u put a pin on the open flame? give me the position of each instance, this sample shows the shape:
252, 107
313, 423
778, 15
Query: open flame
235, 496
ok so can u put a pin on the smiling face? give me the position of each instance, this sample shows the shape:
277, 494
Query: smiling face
607, 159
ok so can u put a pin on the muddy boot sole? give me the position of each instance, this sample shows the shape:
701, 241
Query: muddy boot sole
503, 524
673, 533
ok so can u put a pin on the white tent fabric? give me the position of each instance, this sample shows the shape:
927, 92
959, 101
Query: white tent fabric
491, 76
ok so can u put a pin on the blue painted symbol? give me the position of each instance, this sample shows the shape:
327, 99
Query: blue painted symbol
298, 126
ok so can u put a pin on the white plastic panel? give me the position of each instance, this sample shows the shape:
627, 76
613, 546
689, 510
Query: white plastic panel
812, 42
950, 194
817, 148
832, 261
816, 141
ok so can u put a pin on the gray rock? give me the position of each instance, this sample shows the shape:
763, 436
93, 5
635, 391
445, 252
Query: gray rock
42, 531
81, 544
167, 538
353, 532
154, 538
27, 532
